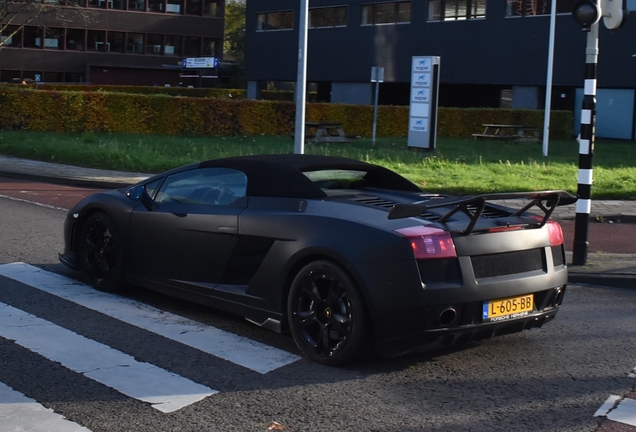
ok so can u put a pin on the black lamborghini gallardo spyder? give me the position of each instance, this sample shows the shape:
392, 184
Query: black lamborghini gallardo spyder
350, 257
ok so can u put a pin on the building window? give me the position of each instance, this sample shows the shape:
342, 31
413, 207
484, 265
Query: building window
271, 21
209, 47
52, 77
193, 7
72, 77
211, 8
12, 76
192, 46
154, 44
537, 7
456, 10
75, 39
54, 38
116, 41
11, 36
97, 40
173, 45
32, 37
154, 5
135, 43
174, 6
386, 13
328, 17
139, 5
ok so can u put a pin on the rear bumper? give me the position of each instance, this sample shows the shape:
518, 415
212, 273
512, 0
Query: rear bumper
408, 314
431, 339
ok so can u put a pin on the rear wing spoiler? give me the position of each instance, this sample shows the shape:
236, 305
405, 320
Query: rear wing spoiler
546, 201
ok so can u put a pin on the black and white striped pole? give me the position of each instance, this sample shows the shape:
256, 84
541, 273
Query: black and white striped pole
588, 13
586, 150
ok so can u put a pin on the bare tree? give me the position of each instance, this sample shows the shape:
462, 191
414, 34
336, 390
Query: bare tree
15, 14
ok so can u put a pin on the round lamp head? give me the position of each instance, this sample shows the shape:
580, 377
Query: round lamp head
586, 13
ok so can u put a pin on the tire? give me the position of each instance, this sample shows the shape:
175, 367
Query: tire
100, 253
326, 315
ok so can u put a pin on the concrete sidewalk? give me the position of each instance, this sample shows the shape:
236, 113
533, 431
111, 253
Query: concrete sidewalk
602, 268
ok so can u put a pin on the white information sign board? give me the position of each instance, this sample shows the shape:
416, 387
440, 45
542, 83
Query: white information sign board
423, 103
199, 62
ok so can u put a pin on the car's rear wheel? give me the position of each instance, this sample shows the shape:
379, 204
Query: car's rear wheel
100, 253
327, 316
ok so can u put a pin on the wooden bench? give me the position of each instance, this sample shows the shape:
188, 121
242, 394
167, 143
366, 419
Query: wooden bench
517, 133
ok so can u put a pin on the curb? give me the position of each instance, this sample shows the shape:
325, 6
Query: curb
89, 182
615, 280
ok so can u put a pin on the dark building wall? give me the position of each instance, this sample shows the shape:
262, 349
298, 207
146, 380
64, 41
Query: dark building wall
496, 51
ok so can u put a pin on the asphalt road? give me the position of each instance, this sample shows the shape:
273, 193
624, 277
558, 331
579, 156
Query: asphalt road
551, 379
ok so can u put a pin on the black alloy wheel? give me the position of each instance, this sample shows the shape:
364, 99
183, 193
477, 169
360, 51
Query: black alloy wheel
327, 317
99, 252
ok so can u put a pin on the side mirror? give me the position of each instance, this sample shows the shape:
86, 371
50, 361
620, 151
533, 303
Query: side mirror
138, 193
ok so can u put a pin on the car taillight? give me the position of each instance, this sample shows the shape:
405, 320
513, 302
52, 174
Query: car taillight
555, 231
429, 242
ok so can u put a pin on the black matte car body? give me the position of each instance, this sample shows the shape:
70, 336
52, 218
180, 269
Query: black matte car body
349, 256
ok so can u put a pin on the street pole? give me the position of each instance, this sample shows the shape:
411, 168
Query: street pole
586, 150
301, 79
375, 111
548, 85
377, 76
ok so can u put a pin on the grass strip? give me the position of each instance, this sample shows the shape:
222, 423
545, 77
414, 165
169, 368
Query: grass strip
459, 166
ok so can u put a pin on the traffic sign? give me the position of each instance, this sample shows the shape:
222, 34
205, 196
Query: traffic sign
200, 62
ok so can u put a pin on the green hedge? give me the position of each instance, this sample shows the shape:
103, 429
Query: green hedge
99, 111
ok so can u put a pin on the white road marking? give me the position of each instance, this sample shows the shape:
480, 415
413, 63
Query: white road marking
165, 390
607, 406
228, 346
32, 202
20, 413
625, 412
622, 410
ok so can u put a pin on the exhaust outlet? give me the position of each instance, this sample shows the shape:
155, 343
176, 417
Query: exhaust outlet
447, 317
558, 296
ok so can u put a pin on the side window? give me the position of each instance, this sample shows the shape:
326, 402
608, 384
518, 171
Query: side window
151, 188
203, 186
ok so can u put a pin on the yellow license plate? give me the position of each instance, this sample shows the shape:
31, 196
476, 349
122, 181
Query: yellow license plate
513, 307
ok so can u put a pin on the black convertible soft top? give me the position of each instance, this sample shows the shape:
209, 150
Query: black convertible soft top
281, 175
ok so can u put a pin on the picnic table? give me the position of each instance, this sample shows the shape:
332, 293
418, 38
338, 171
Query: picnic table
321, 132
505, 132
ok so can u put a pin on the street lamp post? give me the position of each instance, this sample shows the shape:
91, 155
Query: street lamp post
588, 13
301, 79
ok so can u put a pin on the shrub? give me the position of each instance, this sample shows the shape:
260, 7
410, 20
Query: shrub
106, 111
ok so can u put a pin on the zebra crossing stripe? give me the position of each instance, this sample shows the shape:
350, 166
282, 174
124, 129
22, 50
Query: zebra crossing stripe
20, 413
245, 352
165, 391
621, 410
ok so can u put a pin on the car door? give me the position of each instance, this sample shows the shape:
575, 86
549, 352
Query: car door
187, 239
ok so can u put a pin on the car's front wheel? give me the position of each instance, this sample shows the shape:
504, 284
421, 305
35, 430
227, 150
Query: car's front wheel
327, 316
100, 253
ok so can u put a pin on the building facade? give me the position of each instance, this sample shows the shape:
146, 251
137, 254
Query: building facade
494, 53
121, 42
